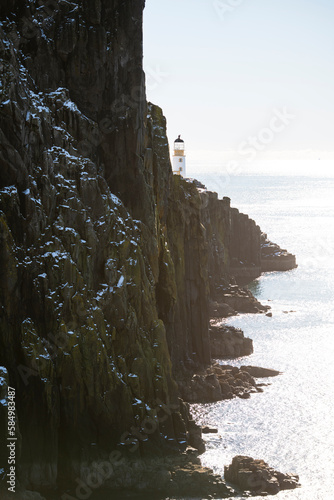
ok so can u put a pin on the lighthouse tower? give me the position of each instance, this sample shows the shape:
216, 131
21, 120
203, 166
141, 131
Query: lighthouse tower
179, 158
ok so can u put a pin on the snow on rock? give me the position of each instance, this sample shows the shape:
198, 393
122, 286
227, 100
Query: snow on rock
3, 386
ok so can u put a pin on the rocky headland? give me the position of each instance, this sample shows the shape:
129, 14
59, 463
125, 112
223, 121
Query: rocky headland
274, 258
111, 267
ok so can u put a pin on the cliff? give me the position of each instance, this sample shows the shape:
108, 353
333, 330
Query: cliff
108, 262
251, 251
81, 339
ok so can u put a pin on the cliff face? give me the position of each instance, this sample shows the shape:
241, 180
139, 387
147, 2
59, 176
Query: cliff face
81, 338
107, 261
250, 251
94, 50
182, 280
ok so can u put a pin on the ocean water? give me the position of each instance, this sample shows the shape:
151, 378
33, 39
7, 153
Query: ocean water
291, 424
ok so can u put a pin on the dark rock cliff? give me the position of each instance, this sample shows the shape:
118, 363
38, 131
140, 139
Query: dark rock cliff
252, 253
107, 260
245, 247
81, 338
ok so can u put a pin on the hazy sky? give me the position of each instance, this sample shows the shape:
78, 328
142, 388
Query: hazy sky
243, 75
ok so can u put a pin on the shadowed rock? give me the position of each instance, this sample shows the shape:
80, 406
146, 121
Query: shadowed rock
258, 372
257, 477
274, 258
229, 342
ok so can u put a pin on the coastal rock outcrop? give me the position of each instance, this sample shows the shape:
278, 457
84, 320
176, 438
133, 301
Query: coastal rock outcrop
228, 341
229, 300
274, 258
258, 372
173, 476
218, 382
256, 477
251, 252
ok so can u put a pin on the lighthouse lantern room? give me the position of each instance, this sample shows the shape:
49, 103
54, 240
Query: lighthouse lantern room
179, 158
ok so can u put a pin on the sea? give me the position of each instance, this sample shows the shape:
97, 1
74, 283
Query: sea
291, 424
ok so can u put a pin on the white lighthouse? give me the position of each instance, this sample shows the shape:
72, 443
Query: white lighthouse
179, 158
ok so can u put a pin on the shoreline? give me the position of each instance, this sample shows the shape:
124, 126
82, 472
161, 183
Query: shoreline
233, 477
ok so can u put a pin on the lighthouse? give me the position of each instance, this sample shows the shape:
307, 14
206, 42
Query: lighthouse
179, 158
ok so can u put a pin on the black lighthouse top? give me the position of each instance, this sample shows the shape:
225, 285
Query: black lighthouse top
178, 139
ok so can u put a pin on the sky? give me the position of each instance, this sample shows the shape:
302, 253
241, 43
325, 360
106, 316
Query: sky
243, 78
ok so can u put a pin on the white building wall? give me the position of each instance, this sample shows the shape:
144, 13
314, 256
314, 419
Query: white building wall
179, 165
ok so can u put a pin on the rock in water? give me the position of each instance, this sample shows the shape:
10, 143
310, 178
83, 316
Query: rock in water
258, 372
218, 382
257, 477
209, 430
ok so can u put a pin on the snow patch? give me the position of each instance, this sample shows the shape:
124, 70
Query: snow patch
120, 282
9, 190
71, 106
115, 200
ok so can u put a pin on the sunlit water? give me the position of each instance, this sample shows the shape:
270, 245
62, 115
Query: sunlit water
291, 424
